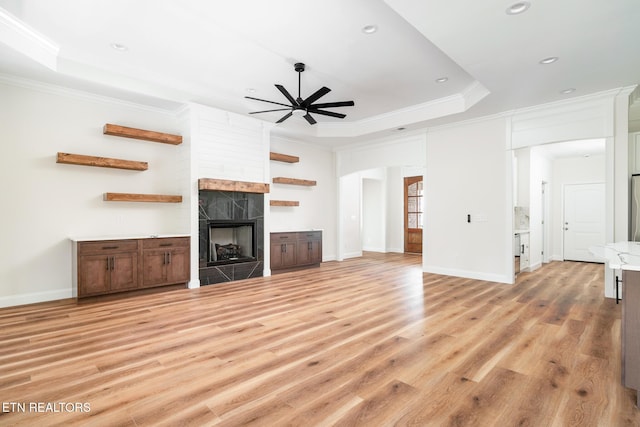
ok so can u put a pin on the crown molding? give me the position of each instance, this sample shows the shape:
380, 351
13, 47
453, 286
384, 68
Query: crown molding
11, 80
29, 42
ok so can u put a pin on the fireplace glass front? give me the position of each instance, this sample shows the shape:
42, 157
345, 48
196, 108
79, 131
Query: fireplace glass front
231, 241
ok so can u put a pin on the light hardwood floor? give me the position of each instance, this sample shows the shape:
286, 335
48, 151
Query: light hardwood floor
366, 342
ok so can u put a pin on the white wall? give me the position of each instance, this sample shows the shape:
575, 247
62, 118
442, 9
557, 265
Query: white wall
373, 215
45, 203
468, 172
349, 225
540, 170
227, 146
391, 158
571, 170
317, 209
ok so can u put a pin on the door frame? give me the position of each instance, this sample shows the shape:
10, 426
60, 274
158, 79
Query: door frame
563, 210
406, 181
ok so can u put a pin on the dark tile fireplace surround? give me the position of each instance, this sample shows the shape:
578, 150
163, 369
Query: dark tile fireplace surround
231, 226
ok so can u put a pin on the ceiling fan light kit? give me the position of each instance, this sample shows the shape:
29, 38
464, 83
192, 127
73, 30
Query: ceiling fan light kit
303, 107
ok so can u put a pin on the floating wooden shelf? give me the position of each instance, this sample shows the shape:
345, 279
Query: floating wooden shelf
146, 135
283, 157
103, 162
225, 185
130, 197
293, 181
284, 203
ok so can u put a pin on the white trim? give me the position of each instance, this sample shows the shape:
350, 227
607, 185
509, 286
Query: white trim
27, 41
35, 297
476, 275
11, 80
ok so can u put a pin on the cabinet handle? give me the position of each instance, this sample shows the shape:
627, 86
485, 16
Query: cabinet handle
108, 263
522, 250
110, 247
113, 263
169, 257
164, 245
309, 246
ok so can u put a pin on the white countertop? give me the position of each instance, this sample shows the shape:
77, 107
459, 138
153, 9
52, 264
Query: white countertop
125, 237
621, 255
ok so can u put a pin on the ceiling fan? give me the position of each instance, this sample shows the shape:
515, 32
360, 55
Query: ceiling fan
300, 107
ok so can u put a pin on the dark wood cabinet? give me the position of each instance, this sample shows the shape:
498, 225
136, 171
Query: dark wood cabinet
283, 250
309, 249
165, 261
295, 249
109, 266
630, 326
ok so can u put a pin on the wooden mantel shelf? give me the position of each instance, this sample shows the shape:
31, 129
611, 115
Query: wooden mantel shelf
283, 157
146, 135
131, 197
211, 184
103, 162
293, 181
284, 203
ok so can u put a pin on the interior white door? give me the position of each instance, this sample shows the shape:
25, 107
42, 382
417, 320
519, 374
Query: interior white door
584, 221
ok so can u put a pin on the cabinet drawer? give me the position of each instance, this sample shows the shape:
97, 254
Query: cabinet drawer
310, 235
107, 246
283, 237
165, 242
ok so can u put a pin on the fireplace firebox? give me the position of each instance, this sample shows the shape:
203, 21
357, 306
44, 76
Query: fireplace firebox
231, 241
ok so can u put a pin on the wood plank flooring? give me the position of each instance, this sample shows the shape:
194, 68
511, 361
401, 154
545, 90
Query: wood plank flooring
370, 341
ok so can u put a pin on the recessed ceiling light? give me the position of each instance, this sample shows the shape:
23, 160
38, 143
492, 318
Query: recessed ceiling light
250, 90
549, 60
119, 47
369, 29
518, 8
442, 79
568, 91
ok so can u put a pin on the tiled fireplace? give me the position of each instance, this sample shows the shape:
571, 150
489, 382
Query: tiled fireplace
231, 226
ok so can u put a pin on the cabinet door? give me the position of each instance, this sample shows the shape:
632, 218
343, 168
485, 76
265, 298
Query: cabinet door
309, 252
524, 251
316, 252
178, 265
289, 258
283, 255
124, 271
93, 274
276, 256
154, 267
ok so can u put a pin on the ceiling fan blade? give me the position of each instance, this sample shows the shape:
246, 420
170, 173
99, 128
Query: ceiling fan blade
310, 119
315, 96
287, 94
268, 111
333, 104
328, 113
285, 117
264, 100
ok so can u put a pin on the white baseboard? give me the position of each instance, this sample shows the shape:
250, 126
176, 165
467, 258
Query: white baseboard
468, 274
35, 297
353, 255
373, 249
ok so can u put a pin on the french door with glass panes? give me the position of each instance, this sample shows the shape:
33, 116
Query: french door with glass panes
413, 209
